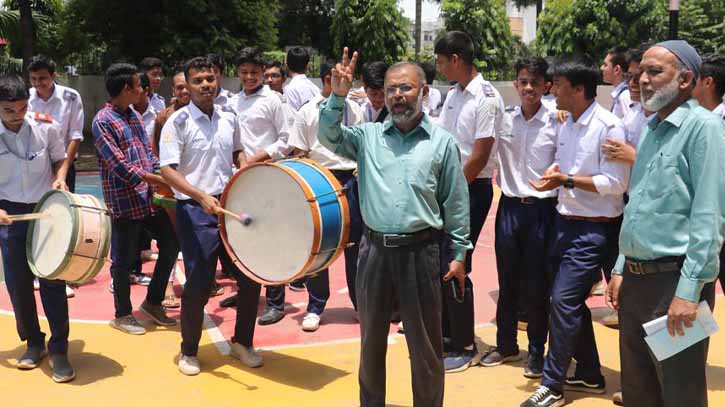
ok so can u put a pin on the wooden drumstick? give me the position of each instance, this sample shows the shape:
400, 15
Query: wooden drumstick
244, 218
28, 216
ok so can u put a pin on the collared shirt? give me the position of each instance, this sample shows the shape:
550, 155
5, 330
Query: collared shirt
370, 114
66, 108
225, 98
202, 148
432, 102
299, 90
124, 158
27, 158
634, 123
265, 122
471, 114
158, 102
621, 100
408, 182
579, 153
720, 110
526, 151
149, 119
307, 126
677, 198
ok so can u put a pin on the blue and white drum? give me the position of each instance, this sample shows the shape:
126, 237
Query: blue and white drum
293, 220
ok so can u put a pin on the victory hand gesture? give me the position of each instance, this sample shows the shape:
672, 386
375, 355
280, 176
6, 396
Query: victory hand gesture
343, 74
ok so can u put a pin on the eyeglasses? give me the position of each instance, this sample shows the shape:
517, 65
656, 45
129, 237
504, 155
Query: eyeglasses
272, 75
404, 89
631, 76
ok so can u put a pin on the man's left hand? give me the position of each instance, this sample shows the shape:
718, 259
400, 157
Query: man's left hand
552, 179
60, 185
617, 150
457, 270
680, 312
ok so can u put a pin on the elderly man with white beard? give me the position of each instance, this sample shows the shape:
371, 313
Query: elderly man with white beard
672, 231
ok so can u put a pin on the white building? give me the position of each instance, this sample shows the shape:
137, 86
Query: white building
522, 21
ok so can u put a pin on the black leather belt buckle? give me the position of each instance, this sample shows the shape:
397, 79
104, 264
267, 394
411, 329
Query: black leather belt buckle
527, 200
636, 268
387, 237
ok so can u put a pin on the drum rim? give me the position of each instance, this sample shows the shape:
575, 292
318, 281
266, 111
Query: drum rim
103, 249
74, 235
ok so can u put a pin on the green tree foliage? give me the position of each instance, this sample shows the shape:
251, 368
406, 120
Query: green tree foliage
487, 23
306, 23
374, 28
702, 24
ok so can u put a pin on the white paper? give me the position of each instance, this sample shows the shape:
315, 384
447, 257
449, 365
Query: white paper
664, 346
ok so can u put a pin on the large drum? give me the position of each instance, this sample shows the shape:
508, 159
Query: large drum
71, 242
294, 220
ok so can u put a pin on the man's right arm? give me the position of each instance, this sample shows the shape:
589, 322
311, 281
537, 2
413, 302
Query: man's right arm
341, 140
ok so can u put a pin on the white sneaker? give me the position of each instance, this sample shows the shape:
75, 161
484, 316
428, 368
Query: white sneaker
401, 329
311, 322
149, 255
69, 293
189, 365
36, 284
611, 319
598, 288
140, 279
246, 355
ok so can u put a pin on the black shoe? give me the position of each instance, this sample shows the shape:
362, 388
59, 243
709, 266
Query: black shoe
585, 386
270, 316
32, 357
544, 397
62, 370
298, 285
534, 367
228, 302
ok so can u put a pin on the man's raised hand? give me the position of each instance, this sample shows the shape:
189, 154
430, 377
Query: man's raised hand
343, 74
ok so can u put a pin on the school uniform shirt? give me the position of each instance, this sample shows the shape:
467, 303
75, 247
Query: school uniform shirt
720, 110
65, 107
307, 126
202, 148
579, 153
471, 114
370, 114
299, 90
634, 123
27, 158
621, 100
149, 119
158, 102
224, 98
432, 102
265, 122
525, 151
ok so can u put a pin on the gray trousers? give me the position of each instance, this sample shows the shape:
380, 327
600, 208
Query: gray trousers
412, 275
675, 382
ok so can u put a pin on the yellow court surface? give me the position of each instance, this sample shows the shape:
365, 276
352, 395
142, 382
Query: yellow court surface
115, 369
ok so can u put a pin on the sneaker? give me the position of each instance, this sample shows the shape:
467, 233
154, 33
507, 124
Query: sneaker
149, 255
584, 386
229, 302
270, 316
459, 361
32, 357
36, 284
297, 285
216, 290
170, 301
140, 279
62, 370
544, 397
598, 288
401, 328
157, 314
311, 322
246, 355
129, 325
110, 287
611, 319
69, 293
534, 368
617, 399
189, 365
495, 358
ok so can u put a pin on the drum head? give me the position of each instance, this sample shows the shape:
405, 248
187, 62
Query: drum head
52, 235
278, 243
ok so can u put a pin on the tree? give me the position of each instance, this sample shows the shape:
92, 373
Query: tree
306, 23
27, 30
487, 24
702, 24
374, 28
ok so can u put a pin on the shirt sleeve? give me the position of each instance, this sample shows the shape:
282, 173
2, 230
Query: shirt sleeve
619, 265
453, 197
111, 156
56, 146
299, 137
237, 135
613, 176
486, 114
170, 145
75, 128
284, 119
704, 155
341, 140
292, 95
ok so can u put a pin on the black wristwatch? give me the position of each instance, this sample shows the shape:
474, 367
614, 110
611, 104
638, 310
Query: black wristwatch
569, 183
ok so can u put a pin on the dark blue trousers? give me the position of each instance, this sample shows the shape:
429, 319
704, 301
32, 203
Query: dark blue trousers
70, 178
318, 289
201, 245
578, 253
346, 179
523, 233
19, 282
721, 275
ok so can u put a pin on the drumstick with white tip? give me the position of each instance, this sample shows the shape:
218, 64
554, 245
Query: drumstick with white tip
244, 218
28, 216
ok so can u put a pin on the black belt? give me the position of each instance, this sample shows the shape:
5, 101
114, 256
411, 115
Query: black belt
527, 200
402, 239
342, 173
661, 265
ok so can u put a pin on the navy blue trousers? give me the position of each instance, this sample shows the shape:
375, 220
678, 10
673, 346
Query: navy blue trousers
70, 178
202, 248
318, 289
523, 233
579, 251
19, 282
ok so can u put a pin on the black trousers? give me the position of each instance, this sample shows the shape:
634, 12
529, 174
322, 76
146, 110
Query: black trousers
70, 177
411, 275
346, 179
674, 382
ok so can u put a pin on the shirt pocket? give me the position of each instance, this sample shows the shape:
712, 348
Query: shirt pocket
542, 151
665, 176
39, 163
8, 165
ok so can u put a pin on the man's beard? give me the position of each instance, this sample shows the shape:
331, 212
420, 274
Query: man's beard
410, 112
655, 101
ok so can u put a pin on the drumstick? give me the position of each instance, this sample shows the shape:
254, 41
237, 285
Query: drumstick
243, 218
28, 216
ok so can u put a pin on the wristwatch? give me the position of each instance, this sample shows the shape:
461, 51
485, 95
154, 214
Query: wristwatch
569, 183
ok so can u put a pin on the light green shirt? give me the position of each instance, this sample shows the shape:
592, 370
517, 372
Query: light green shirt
408, 182
677, 196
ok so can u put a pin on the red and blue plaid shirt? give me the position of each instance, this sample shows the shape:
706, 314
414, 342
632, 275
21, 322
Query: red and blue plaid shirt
124, 157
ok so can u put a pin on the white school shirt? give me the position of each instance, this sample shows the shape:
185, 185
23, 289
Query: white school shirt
526, 151
634, 123
225, 98
474, 113
65, 107
26, 158
621, 100
720, 110
432, 102
201, 148
265, 122
149, 118
299, 90
579, 153
158, 102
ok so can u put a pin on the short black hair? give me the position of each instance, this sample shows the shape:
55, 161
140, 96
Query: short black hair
714, 66
218, 61
250, 55
635, 54
456, 42
297, 59
373, 74
430, 72
145, 82
579, 73
619, 57
535, 66
198, 63
118, 76
276, 64
41, 63
12, 89
326, 68
149, 63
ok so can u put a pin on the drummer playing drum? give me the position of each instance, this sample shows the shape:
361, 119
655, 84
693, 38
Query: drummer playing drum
32, 162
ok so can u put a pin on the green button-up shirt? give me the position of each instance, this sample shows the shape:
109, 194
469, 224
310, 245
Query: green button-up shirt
407, 182
677, 196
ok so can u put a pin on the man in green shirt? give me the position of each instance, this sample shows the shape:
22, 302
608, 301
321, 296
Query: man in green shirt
412, 190
672, 230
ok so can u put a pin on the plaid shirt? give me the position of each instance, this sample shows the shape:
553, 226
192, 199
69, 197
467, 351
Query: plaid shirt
124, 157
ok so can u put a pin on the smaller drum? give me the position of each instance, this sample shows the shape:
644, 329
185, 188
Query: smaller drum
71, 243
294, 220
